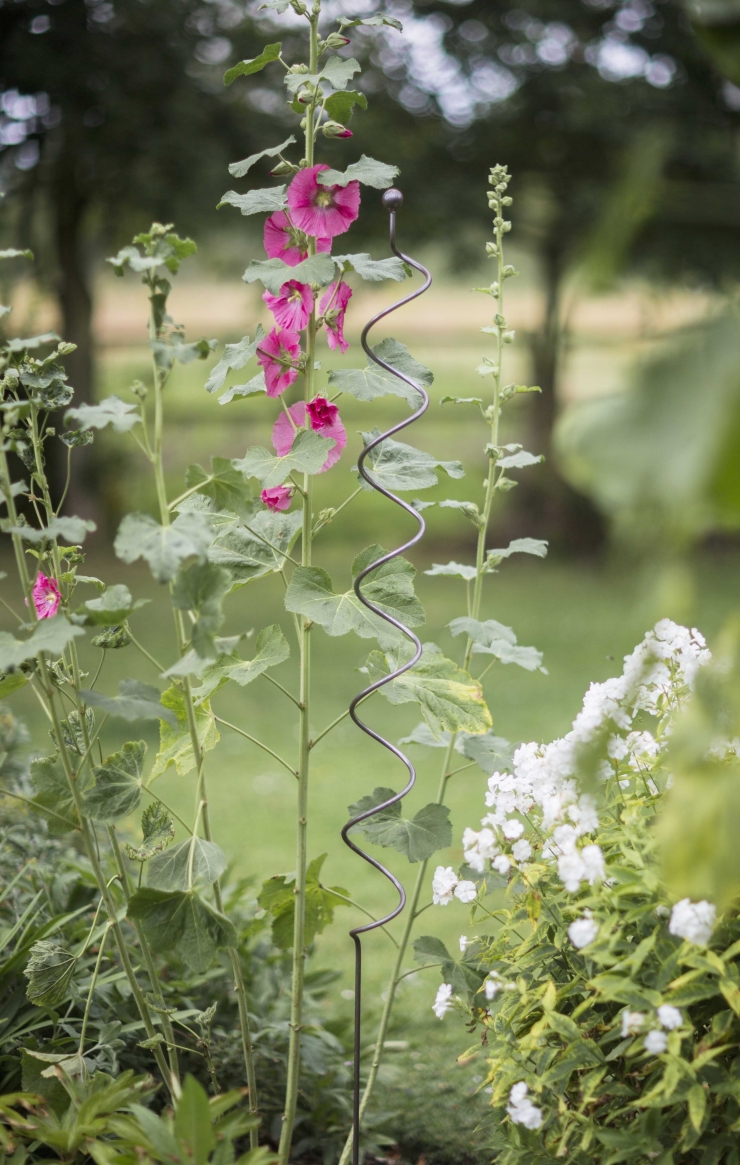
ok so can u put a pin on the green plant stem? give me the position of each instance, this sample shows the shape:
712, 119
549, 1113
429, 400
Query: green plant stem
253, 739
327, 730
91, 992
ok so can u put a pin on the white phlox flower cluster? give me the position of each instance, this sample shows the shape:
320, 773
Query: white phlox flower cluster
583, 931
494, 983
693, 921
446, 885
656, 1040
520, 1107
443, 1000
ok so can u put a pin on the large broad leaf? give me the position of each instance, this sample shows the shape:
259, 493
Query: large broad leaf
167, 352
336, 70
277, 896
50, 637
493, 638
53, 795
270, 52
227, 487
492, 753
49, 972
271, 649
240, 169
527, 657
175, 744
163, 547
450, 699
235, 357
200, 588
463, 973
111, 411
194, 862
72, 531
396, 466
135, 701
391, 588
375, 270
339, 106
158, 831
264, 201
193, 1124
273, 273
257, 548
374, 381
518, 546
368, 171
417, 838
117, 788
454, 569
308, 454
182, 921
111, 608
484, 633
254, 387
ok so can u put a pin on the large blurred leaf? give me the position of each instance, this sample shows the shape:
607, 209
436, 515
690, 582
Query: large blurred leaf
271, 649
49, 971
183, 921
175, 744
417, 838
450, 699
397, 466
373, 381
117, 788
277, 896
257, 547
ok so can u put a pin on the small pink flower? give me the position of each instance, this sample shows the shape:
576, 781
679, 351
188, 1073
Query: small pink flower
278, 498
276, 347
323, 418
335, 324
292, 307
46, 596
323, 211
283, 241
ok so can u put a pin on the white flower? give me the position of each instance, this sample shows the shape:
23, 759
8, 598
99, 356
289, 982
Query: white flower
593, 861
443, 885
493, 985
632, 1021
582, 932
693, 921
466, 891
669, 1016
521, 850
442, 1002
656, 1042
501, 864
512, 829
478, 848
464, 940
520, 1108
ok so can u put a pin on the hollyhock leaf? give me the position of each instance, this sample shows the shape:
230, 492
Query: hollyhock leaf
11, 683
457, 569
422, 735
307, 455
175, 745
449, 698
182, 921
271, 648
170, 870
166, 353
416, 838
339, 106
527, 657
253, 387
461, 400
73, 734
158, 831
278, 898
378, 21
226, 486
111, 411
194, 1125
483, 633
31, 343
239, 169
50, 636
368, 171
373, 381
258, 548
519, 546
273, 273
491, 753
75, 438
113, 606
428, 949
338, 71
49, 972
270, 52
317, 268
519, 460
201, 588
396, 466
163, 547
135, 701
53, 794
235, 356
374, 270
462, 974
117, 788
264, 201
72, 531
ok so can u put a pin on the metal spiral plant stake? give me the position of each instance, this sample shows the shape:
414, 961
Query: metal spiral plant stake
392, 201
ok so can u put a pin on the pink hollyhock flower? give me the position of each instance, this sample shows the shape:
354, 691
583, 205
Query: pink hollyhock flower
323, 211
278, 498
279, 345
336, 303
292, 307
46, 596
323, 418
283, 241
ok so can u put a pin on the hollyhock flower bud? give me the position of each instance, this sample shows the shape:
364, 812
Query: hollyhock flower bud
283, 168
46, 597
292, 307
335, 40
283, 241
277, 348
322, 211
323, 418
335, 129
277, 498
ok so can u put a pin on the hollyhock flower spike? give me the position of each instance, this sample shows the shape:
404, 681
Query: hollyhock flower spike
335, 303
292, 307
323, 418
46, 597
276, 348
277, 498
322, 211
283, 241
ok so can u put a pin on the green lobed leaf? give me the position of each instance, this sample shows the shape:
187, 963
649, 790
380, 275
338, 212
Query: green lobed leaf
117, 788
396, 466
109, 608
462, 973
184, 922
158, 831
227, 487
375, 270
373, 381
112, 411
368, 171
167, 352
135, 701
175, 744
53, 793
49, 636
519, 460
259, 548
170, 870
73, 733
491, 753
483, 633
277, 896
450, 699
271, 649
416, 838
253, 387
308, 455
235, 356
339, 106
518, 546
240, 169
270, 52
377, 21
72, 531
265, 201
455, 569
527, 657
49, 971
201, 588
273, 273
163, 547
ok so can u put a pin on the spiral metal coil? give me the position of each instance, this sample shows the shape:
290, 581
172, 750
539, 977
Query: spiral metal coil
392, 201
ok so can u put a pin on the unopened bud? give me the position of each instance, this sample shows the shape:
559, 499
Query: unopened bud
335, 40
298, 69
283, 168
335, 129
509, 337
492, 250
65, 348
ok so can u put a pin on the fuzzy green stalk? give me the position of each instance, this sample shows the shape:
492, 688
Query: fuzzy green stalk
201, 794
413, 902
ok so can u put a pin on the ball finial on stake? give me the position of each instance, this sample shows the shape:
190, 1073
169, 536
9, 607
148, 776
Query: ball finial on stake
392, 199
